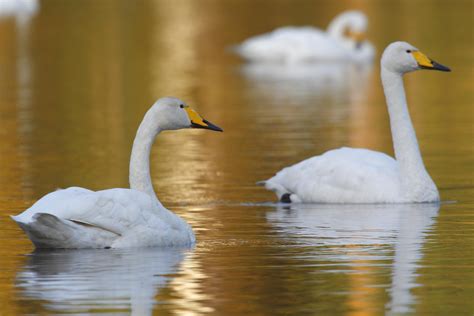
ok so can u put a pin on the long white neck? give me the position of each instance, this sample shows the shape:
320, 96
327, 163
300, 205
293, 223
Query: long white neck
337, 27
407, 152
140, 178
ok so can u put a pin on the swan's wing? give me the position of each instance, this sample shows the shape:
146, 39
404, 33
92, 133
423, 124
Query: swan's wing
60, 203
290, 44
49, 231
116, 210
135, 218
140, 219
341, 175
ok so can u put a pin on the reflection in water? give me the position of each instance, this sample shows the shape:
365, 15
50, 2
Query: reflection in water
192, 299
23, 11
354, 233
299, 83
109, 280
21, 78
175, 42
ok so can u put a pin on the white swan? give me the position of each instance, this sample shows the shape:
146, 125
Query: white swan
18, 7
117, 218
349, 175
344, 40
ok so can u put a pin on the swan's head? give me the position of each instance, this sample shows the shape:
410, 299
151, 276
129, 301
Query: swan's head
350, 26
401, 57
172, 113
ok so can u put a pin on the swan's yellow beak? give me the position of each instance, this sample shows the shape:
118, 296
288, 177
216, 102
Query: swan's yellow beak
356, 36
198, 122
425, 63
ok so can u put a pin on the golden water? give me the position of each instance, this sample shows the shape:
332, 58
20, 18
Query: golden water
75, 81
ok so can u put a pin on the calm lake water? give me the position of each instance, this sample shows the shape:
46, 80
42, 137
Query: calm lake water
76, 79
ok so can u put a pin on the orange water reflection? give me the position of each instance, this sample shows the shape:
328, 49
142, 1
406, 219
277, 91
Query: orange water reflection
89, 70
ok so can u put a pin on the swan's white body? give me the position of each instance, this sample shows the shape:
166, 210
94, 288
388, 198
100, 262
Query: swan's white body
116, 218
18, 7
309, 44
350, 175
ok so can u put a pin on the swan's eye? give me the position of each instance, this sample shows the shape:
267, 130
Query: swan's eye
408, 51
181, 106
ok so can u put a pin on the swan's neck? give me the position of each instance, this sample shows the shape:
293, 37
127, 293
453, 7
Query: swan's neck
337, 27
405, 144
140, 178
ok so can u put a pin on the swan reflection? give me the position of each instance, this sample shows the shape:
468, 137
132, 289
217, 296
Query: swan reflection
116, 281
351, 233
339, 82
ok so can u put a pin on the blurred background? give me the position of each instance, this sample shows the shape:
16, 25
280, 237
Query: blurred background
76, 78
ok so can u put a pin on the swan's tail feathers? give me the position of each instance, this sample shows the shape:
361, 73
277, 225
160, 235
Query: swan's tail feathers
49, 231
284, 195
261, 183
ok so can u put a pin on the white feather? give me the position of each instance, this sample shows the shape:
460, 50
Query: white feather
344, 175
122, 218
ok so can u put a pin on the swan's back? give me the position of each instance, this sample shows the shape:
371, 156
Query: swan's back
289, 44
80, 218
345, 175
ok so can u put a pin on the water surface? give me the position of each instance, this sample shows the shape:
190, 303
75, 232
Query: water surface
75, 81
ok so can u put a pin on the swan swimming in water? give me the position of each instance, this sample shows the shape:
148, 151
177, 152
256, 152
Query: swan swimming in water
117, 218
344, 40
352, 175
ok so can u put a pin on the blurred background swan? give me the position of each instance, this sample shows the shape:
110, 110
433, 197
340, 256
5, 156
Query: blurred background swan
344, 40
362, 233
117, 281
22, 9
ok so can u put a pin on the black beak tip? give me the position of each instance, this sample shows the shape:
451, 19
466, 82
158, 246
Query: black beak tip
217, 129
209, 126
439, 67
212, 126
447, 69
